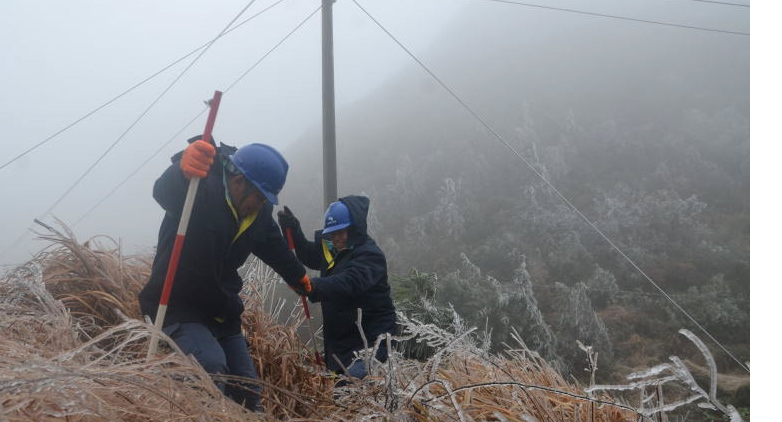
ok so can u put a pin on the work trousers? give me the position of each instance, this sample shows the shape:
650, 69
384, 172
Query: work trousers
225, 355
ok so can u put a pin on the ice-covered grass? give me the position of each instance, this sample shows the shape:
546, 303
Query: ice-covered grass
74, 348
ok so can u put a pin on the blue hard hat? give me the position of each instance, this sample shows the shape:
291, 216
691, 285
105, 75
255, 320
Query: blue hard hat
264, 167
337, 217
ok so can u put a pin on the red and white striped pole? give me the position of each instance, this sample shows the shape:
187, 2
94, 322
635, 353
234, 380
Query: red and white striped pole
292, 246
187, 209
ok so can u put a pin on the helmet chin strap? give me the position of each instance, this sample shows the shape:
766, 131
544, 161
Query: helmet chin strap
241, 202
246, 192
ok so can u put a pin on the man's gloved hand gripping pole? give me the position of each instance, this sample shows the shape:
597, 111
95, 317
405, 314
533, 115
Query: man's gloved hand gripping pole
196, 160
306, 286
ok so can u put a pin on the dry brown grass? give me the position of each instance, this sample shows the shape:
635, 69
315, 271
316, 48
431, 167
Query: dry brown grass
293, 386
73, 349
93, 280
48, 371
507, 390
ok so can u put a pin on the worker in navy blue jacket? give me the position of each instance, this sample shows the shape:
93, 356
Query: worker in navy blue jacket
231, 218
353, 275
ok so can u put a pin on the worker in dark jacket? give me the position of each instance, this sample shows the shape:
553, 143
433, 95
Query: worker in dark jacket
353, 275
231, 218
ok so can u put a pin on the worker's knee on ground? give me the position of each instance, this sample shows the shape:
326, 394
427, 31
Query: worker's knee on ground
197, 340
248, 395
358, 369
213, 363
240, 364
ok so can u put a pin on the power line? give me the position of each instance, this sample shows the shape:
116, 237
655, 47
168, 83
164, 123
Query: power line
582, 12
127, 91
551, 186
296, 28
95, 163
636, 293
133, 173
102, 200
144, 113
724, 3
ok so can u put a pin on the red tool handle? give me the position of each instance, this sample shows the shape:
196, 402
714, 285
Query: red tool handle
306, 307
292, 246
290, 239
173, 263
187, 209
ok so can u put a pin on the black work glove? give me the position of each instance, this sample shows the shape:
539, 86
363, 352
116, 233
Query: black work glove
287, 220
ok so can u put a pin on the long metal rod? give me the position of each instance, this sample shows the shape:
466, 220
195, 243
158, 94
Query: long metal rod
329, 126
187, 209
306, 307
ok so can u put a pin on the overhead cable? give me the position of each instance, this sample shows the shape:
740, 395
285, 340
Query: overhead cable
551, 186
724, 3
133, 173
144, 113
582, 12
132, 125
176, 135
127, 91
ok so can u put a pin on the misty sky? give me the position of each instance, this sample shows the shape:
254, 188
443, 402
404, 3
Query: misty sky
63, 59
66, 58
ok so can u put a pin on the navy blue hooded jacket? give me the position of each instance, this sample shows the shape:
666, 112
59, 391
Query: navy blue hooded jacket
358, 279
207, 284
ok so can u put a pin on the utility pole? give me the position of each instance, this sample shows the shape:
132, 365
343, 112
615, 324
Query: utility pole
329, 129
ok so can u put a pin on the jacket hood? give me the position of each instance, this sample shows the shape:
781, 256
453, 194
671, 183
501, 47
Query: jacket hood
358, 206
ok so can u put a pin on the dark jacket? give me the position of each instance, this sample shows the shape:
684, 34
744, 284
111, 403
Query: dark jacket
358, 279
207, 284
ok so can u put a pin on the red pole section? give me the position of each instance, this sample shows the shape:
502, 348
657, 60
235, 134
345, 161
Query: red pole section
187, 210
290, 240
292, 246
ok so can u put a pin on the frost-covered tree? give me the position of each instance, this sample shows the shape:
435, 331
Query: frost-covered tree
660, 231
724, 313
475, 295
667, 180
429, 237
447, 217
498, 307
602, 288
579, 321
523, 313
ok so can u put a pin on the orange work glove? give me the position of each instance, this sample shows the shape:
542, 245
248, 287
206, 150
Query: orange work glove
305, 282
197, 159
306, 286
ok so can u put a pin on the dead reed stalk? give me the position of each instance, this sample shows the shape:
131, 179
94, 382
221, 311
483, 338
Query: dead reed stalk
73, 349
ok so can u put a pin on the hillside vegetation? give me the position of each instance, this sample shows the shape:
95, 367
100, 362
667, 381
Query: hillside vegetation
646, 132
74, 349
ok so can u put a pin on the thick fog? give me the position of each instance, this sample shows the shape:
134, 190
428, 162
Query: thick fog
644, 128
518, 67
63, 59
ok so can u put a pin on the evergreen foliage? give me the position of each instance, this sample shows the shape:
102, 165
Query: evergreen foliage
483, 301
656, 158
